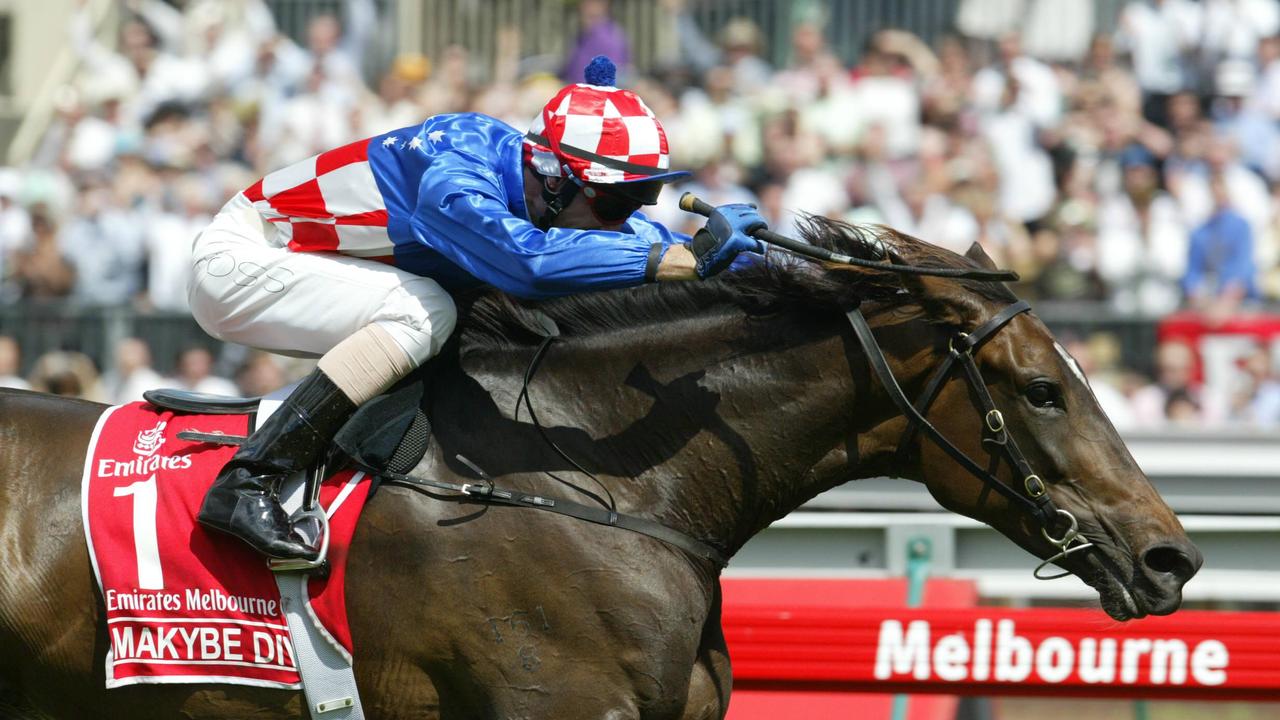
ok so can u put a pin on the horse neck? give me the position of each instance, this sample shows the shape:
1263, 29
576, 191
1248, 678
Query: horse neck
727, 422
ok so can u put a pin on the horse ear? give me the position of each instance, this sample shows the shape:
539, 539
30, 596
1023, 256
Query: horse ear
980, 256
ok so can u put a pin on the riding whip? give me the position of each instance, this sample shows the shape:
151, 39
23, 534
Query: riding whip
692, 203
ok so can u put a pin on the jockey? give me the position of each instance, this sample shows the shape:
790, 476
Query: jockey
351, 255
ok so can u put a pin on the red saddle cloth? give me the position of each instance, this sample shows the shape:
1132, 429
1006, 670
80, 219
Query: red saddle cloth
186, 604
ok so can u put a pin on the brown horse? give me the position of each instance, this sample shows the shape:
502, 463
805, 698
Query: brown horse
714, 408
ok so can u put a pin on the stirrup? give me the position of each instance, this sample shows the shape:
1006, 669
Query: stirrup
312, 523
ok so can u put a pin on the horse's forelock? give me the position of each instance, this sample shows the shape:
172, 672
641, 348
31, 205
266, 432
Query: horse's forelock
884, 244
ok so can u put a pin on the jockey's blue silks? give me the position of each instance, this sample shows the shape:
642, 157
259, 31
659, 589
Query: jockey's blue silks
445, 200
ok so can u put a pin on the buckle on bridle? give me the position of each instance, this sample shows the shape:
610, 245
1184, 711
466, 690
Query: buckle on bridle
1035, 488
995, 421
951, 344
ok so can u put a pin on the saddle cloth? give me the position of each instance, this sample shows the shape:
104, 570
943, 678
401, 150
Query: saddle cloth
186, 604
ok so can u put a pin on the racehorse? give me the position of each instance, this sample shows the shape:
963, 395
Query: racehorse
713, 408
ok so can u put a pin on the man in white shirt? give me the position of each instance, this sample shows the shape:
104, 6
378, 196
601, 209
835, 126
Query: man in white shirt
1038, 97
1142, 241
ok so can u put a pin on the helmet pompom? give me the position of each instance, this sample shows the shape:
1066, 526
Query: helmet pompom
600, 71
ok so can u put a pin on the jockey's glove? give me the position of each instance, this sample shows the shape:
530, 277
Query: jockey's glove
726, 234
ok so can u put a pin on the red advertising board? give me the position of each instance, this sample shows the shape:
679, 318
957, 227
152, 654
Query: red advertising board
831, 646
757, 696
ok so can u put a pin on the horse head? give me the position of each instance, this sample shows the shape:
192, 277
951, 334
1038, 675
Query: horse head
739, 399
1140, 556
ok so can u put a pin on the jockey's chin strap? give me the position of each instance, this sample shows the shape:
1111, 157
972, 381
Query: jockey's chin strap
556, 200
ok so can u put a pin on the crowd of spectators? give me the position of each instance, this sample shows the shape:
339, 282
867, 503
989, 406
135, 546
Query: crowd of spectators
1136, 166
132, 372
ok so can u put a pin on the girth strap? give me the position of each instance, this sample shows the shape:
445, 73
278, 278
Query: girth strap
1038, 504
487, 493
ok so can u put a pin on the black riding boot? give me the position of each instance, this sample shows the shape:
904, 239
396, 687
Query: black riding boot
244, 499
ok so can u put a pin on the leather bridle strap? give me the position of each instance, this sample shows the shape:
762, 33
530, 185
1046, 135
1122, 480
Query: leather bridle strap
1033, 498
970, 342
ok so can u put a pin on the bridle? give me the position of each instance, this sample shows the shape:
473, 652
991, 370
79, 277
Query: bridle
1033, 495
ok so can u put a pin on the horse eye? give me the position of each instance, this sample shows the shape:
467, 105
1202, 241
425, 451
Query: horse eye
1042, 394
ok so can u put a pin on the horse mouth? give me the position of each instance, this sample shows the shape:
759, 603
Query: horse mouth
1114, 594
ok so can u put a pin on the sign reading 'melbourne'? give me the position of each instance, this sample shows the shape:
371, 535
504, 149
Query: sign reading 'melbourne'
982, 655
1200, 654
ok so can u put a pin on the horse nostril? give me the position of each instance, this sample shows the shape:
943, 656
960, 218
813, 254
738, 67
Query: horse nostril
1170, 560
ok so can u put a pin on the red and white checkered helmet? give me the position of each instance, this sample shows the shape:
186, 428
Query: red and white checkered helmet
598, 133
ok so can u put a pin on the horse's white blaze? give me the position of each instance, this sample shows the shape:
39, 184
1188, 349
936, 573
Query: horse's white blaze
1071, 363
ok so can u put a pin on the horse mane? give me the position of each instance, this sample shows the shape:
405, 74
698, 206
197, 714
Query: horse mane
785, 283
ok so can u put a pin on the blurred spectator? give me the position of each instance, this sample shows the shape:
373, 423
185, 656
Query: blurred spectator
1064, 264
1220, 269
11, 364
598, 34
1160, 36
1181, 409
261, 374
1020, 84
1142, 243
194, 372
1257, 401
885, 88
811, 60
105, 245
41, 271
1058, 30
395, 106
70, 374
742, 44
334, 54
15, 220
185, 212
1266, 97
132, 373
1244, 122
1027, 189
1190, 183
1175, 371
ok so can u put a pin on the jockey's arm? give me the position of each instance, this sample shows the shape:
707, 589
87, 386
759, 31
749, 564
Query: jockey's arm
677, 263
462, 214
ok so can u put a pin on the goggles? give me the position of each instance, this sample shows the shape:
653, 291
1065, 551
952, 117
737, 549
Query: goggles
621, 200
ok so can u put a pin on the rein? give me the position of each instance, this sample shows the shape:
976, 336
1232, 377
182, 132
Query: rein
1033, 497
486, 492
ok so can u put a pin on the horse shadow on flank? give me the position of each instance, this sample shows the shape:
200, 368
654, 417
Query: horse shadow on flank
466, 420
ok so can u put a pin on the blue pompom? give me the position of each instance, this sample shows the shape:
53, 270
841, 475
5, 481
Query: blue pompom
600, 71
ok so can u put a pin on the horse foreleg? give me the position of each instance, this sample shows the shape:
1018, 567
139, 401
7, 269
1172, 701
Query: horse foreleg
712, 678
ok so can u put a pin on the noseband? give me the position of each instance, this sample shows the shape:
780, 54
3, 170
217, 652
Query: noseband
1032, 496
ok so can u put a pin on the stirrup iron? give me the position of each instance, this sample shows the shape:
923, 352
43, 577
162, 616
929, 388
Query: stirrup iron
312, 523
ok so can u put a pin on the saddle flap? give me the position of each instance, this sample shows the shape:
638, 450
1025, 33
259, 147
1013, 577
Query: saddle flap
390, 432
186, 401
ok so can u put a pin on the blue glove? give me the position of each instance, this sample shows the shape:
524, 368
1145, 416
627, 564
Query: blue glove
725, 236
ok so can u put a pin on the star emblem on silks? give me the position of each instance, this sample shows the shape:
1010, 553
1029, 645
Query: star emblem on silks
415, 143
390, 141
435, 135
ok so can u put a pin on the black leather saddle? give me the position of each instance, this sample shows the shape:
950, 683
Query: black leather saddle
194, 402
389, 432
